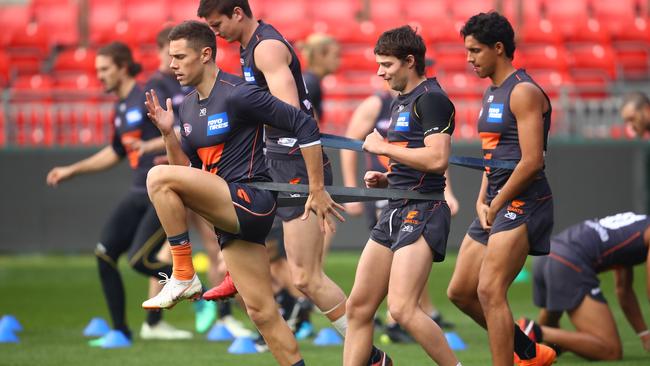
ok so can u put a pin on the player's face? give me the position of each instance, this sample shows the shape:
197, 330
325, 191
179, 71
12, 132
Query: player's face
638, 119
393, 70
480, 56
108, 73
332, 58
165, 59
186, 63
228, 28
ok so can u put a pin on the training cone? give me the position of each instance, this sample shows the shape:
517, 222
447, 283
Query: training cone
97, 327
328, 337
11, 323
7, 335
523, 276
242, 345
115, 339
455, 343
219, 333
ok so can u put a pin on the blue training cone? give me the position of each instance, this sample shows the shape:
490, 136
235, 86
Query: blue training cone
116, 339
7, 334
11, 322
328, 337
455, 343
242, 345
97, 327
219, 333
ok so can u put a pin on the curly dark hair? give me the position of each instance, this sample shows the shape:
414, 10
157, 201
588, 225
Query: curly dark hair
490, 28
225, 7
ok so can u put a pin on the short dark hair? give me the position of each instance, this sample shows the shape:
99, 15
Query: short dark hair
637, 98
490, 28
197, 34
225, 7
162, 38
122, 56
401, 42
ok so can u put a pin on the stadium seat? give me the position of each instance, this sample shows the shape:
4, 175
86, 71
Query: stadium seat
13, 18
31, 87
566, 16
28, 48
633, 60
553, 82
384, 10
183, 10
145, 19
451, 57
104, 21
75, 60
462, 10
80, 86
5, 70
334, 10
540, 32
358, 58
3, 138
539, 56
61, 22
462, 85
426, 12
593, 59
290, 18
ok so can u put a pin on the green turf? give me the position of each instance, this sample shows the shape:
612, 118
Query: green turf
54, 298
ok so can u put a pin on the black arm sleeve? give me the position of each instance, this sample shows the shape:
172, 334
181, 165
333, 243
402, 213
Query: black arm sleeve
116, 143
251, 104
436, 113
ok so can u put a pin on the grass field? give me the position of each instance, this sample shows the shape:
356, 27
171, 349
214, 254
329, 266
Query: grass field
55, 296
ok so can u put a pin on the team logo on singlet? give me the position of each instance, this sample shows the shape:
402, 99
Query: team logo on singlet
218, 124
402, 124
248, 75
187, 128
495, 113
133, 116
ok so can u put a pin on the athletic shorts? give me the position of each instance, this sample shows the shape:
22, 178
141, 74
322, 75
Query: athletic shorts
560, 284
293, 171
255, 210
534, 208
401, 226
275, 241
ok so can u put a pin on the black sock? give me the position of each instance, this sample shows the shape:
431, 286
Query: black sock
286, 302
299, 363
524, 346
154, 317
113, 293
375, 354
225, 309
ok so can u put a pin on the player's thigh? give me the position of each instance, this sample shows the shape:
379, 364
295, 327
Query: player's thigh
205, 193
248, 264
595, 317
468, 264
409, 271
121, 226
303, 243
371, 279
505, 256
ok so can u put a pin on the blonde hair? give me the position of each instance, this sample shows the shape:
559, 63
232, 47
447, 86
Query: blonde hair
315, 45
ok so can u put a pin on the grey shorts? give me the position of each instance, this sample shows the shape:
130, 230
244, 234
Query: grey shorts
560, 284
401, 226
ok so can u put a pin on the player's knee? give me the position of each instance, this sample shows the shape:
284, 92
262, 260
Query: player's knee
401, 310
261, 314
460, 296
489, 294
139, 266
357, 309
305, 281
105, 262
611, 351
157, 178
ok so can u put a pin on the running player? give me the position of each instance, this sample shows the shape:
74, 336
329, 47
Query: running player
133, 225
409, 235
567, 281
635, 112
270, 62
515, 208
374, 113
222, 123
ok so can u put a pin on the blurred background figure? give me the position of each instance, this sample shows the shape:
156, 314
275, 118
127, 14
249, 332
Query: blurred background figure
323, 56
635, 113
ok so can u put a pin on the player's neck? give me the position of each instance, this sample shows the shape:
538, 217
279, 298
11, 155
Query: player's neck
204, 88
413, 83
501, 72
125, 88
250, 25
319, 71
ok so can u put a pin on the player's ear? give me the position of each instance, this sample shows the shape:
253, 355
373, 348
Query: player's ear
206, 55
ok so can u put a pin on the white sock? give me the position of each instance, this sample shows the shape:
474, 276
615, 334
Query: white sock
341, 324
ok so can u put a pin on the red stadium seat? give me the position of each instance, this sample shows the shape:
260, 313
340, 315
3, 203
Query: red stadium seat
546, 57
540, 32
358, 58
4, 69
633, 59
462, 10
104, 21
592, 59
384, 10
80, 86
589, 31
75, 60
290, 18
145, 20
334, 10
31, 87
61, 22
462, 85
183, 10
450, 57
13, 18
566, 16
28, 48
426, 12
553, 82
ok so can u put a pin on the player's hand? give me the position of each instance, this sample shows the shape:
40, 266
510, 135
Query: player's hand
163, 119
645, 341
135, 144
452, 202
375, 179
58, 174
374, 143
353, 208
482, 211
320, 202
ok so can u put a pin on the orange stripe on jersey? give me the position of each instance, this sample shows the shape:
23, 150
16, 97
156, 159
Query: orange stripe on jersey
127, 139
210, 157
396, 143
384, 161
490, 140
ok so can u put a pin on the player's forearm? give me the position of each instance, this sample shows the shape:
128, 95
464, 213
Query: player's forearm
482, 192
313, 156
349, 168
101, 160
155, 145
175, 153
630, 306
424, 159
